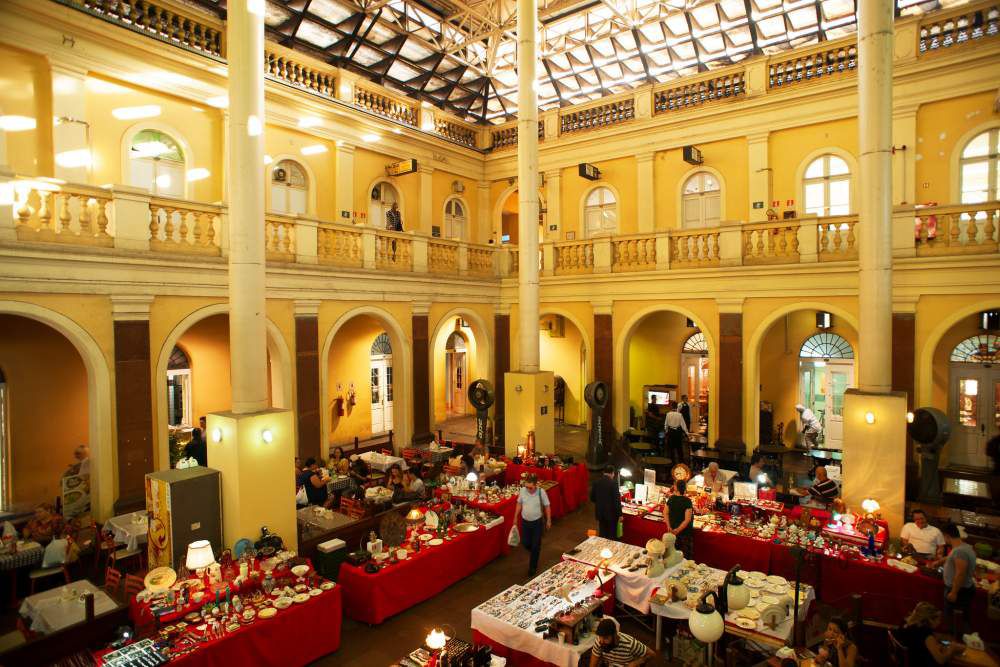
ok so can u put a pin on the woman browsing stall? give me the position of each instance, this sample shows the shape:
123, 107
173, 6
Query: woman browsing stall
679, 517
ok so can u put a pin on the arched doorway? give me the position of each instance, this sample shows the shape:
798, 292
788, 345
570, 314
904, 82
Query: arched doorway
180, 409
452, 368
695, 380
973, 398
381, 198
456, 372
563, 347
826, 370
508, 216
380, 386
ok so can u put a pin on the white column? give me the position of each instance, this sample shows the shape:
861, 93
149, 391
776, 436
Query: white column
759, 176
553, 204
71, 130
875, 19
645, 193
345, 183
426, 216
527, 185
247, 319
484, 229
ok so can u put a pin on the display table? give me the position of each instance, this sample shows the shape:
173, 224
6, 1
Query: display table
574, 480
373, 597
49, 612
129, 529
505, 508
631, 588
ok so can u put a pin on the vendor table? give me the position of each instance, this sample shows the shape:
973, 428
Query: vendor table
129, 529
373, 597
574, 480
504, 508
383, 462
48, 612
631, 588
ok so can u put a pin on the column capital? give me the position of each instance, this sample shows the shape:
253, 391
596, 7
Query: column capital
420, 308
602, 306
484, 185
758, 137
552, 174
343, 146
645, 156
502, 308
307, 307
902, 303
424, 169
130, 308
730, 305
57, 63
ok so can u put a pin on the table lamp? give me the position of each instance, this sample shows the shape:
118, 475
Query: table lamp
706, 623
199, 557
436, 641
871, 508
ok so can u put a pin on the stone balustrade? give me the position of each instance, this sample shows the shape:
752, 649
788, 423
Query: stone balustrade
279, 238
47, 212
775, 242
380, 104
597, 117
814, 64
698, 91
836, 238
341, 246
694, 248
456, 132
442, 256
573, 257
162, 20
289, 68
966, 24
180, 226
633, 253
957, 230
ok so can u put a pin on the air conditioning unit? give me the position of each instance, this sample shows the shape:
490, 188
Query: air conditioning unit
457, 187
554, 326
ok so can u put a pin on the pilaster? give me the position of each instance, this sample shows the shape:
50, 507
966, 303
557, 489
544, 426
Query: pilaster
71, 126
645, 192
426, 199
730, 372
484, 228
345, 181
759, 177
307, 400
421, 373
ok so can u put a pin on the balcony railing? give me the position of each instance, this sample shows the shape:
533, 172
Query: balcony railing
442, 256
460, 134
957, 230
340, 246
633, 253
279, 238
180, 226
49, 213
506, 136
574, 257
813, 64
689, 94
597, 117
385, 106
942, 31
774, 242
162, 20
288, 68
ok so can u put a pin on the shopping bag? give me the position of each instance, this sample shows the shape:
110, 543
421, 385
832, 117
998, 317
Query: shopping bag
514, 538
300, 497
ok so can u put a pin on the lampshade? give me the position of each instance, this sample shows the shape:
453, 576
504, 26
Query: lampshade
706, 623
414, 515
737, 594
870, 505
436, 640
199, 555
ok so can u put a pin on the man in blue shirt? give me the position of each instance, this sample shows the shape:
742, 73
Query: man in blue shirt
959, 579
532, 505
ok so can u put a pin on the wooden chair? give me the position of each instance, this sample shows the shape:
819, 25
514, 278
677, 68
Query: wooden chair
103, 550
42, 573
128, 556
899, 655
133, 586
112, 580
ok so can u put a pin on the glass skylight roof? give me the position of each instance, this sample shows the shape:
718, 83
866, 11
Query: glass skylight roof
461, 55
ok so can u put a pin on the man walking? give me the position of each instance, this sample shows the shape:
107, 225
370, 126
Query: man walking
532, 505
607, 501
677, 433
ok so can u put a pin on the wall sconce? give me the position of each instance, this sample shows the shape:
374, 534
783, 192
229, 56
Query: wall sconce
216, 434
909, 417
267, 436
870, 417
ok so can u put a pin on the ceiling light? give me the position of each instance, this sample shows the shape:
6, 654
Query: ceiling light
135, 113
163, 181
870, 417
254, 127
219, 101
198, 174
310, 121
314, 149
74, 159
16, 123
370, 138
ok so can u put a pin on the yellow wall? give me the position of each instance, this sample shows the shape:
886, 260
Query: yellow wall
199, 128
48, 402
280, 142
654, 354
26, 90
368, 166
940, 126
787, 149
728, 157
619, 174
567, 358
349, 362
779, 363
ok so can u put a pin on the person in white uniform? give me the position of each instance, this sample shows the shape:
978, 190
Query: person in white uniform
925, 539
811, 428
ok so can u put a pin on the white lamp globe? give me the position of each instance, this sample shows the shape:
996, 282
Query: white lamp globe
737, 594
706, 623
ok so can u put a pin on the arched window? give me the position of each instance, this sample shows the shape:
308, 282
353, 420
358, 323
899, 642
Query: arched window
826, 346
381, 345
455, 342
695, 344
156, 161
455, 218
979, 175
827, 186
702, 201
982, 349
600, 213
289, 188
179, 388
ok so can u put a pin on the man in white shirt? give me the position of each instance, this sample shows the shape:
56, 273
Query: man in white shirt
811, 428
677, 433
925, 539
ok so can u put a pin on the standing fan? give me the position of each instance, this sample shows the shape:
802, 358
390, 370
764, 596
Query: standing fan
596, 396
481, 396
930, 430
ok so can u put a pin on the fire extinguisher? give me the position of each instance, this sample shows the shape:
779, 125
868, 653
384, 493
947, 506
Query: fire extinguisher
338, 406
351, 395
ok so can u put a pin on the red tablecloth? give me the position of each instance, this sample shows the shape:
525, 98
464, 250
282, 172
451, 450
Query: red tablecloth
298, 635
514, 658
889, 594
372, 598
504, 508
574, 481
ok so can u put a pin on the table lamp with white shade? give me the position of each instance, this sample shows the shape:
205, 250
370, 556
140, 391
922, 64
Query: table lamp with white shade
199, 557
706, 623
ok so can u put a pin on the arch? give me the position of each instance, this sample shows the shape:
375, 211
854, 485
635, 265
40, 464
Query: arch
826, 345
483, 348
277, 347
979, 349
100, 397
588, 349
175, 134
498, 209
955, 160
800, 171
582, 212
401, 364
621, 367
381, 345
925, 359
751, 359
310, 174
695, 344
399, 194
686, 176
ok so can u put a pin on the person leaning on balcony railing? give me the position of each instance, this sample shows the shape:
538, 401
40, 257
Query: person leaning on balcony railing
394, 223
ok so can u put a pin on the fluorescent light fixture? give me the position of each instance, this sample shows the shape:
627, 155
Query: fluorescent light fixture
216, 434
198, 174
149, 149
254, 127
314, 149
163, 181
268, 159
219, 101
396, 130
135, 113
74, 159
310, 121
370, 138
16, 123
267, 436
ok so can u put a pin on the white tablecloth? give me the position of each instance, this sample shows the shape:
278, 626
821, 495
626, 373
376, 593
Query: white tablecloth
632, 588
48, 612
547, 650
127, 531
380, 462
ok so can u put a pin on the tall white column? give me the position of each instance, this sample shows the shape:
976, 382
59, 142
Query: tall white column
247, 323
527, 185
553, 204
875, 26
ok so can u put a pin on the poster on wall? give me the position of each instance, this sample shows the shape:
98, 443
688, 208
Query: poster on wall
158, 505
75, 495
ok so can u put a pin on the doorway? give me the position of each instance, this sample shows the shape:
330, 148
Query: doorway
383, 196
456, 370
695, 380
381, 384
826, 370
974, 400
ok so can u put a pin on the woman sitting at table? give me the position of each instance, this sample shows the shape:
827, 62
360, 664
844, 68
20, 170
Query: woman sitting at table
359, 475
339, 465
314, 480
924, 649
395, 481
412, 488
757, 474
837, 649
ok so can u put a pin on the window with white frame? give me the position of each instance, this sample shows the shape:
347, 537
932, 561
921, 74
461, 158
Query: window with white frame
827, 186
156, 162
179, 404
289, 188
979, 172
701, 204
600, 212
455, 218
